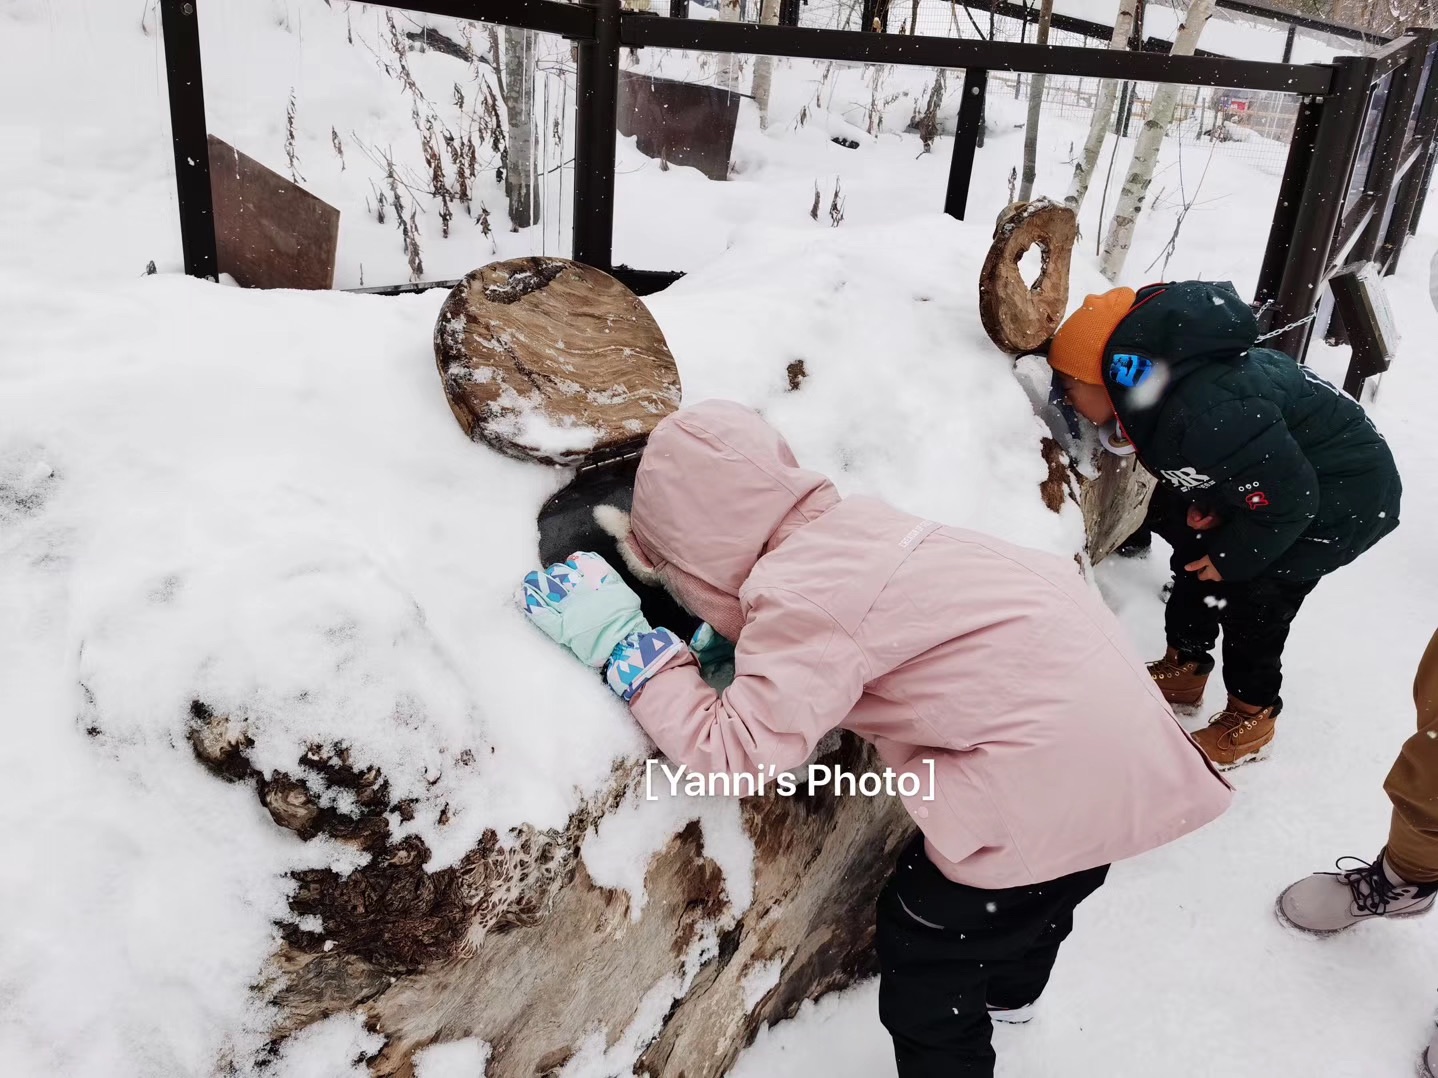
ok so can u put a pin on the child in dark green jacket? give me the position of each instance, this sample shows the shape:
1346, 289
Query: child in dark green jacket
1269, 479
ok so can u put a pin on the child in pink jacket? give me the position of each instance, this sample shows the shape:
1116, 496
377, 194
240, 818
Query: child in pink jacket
1053, 752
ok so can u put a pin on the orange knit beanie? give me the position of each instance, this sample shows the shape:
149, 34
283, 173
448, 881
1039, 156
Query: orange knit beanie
1078, 346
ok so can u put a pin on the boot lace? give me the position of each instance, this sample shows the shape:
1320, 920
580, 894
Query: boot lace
1371, 888
1233, 722
1163, 669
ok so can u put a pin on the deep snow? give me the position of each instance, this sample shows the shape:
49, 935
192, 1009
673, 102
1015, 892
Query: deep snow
262, 500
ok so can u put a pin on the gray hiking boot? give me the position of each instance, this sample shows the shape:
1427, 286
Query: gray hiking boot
1329, 902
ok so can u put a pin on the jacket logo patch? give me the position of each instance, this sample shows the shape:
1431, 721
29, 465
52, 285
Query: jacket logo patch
1186, 478
1129, 370
1257, 500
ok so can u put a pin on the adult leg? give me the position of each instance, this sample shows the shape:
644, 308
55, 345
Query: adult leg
1402, 881
1412, 785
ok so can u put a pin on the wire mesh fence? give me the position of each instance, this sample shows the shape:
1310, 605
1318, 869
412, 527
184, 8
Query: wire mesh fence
1241, 125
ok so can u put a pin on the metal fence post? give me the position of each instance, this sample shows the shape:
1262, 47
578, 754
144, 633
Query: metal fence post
181, 25
1320, 206
596, 128
1290, 192
966, 139
1407, 200
1387, 153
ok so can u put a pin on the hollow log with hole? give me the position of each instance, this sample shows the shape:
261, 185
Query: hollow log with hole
1017, 316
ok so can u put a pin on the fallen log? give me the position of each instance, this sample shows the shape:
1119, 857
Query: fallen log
518, 947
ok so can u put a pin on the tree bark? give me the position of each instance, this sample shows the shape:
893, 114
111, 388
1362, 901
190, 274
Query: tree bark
517, 946
1146, 147
1102, 118
728, 70
518, 89
764, 65
1036, 101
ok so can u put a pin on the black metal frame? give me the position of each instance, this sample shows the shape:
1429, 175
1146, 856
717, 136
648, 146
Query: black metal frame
190, 136
966, 141
1028, 13
639, 31
1309, 222
1280, 15
1315, 229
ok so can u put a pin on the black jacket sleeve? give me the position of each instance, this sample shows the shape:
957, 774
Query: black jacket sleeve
1266, 485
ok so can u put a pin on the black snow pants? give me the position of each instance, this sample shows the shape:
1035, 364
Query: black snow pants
947, 952
1255, 616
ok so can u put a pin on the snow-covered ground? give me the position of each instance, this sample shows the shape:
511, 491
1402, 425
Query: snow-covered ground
261, 500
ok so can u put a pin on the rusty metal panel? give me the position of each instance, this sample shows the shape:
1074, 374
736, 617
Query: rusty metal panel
681, 123
270, 232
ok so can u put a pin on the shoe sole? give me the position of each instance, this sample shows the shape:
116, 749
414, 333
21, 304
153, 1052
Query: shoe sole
1251, 758
1013, 1016
1324, 933
1185, 703
1423, 1070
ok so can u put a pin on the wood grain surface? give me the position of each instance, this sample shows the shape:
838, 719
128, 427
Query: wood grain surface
547, 359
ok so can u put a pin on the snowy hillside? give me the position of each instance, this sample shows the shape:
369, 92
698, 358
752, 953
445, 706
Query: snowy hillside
260, 501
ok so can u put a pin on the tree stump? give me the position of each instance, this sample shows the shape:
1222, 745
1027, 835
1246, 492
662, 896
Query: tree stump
518, 947
550, 360
1114, 503
1019, 317
1113, 499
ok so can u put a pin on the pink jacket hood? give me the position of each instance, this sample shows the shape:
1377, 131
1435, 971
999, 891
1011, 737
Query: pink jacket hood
717, 488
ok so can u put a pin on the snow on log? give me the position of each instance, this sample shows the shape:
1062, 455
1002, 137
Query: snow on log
550, 360
414, 811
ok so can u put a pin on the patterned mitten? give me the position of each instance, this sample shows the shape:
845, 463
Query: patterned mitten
638, 658
583, 604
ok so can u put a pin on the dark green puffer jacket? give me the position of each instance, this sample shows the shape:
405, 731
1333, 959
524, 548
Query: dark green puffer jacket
1302, 479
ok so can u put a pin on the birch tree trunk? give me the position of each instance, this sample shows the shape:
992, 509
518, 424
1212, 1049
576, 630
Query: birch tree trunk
728, 70
1036, 101
1102, 113
519, 67
1145, 151
764, 65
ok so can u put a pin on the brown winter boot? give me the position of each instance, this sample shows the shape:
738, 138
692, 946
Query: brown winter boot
1182, 683
1237, 733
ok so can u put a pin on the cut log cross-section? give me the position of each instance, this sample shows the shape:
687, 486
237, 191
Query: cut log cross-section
1017, 316
549, 360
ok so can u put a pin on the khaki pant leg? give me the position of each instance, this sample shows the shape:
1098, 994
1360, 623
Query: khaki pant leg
1412, 785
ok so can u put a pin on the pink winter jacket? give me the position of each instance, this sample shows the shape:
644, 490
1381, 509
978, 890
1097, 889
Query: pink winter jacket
1054, 752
